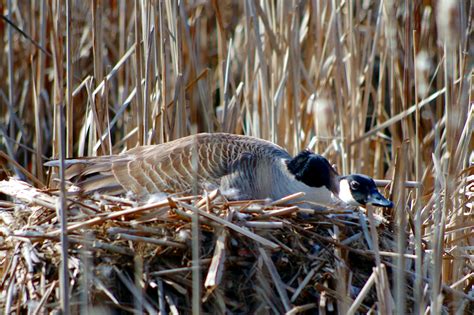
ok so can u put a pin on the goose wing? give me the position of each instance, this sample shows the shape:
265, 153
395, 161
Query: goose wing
173, 166
202, 161
250, 176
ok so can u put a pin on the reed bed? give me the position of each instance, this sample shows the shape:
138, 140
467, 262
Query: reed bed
382, 88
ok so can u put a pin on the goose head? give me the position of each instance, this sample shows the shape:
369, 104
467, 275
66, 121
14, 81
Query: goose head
315, 171
360, 190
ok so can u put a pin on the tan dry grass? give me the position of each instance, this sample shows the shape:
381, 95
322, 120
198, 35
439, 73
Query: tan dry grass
378, 87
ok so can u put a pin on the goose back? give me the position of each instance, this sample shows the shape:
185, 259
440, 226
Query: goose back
202, 161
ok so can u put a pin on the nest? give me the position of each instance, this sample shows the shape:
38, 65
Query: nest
254, 256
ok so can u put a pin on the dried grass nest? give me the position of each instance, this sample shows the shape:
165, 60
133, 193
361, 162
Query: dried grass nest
255, 257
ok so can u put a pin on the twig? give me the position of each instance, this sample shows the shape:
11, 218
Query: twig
216, 269
234, 227
163, 242
276, 279
111, 216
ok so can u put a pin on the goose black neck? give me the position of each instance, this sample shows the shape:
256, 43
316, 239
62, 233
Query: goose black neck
312, 169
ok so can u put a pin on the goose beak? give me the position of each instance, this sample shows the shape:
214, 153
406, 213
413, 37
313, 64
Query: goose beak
375, 198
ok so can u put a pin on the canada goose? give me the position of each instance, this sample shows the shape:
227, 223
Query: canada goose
242, 167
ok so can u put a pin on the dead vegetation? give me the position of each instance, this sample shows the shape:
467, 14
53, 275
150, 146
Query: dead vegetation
379, 88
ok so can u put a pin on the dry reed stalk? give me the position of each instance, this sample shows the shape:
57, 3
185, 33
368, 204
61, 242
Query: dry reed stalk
158, 70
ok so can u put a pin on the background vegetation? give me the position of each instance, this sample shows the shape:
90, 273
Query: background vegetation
382, 88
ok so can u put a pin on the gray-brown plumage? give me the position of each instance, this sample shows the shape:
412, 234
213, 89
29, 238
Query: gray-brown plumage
220, 160
242, 167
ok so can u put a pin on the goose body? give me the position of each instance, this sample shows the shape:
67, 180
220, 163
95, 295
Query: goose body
241, 167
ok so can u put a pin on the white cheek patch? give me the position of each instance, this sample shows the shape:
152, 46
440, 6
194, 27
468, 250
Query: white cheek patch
345, 193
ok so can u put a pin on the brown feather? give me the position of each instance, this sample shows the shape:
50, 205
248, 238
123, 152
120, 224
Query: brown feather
170, 167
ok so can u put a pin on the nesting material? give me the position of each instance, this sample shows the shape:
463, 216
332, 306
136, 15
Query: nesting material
127, 255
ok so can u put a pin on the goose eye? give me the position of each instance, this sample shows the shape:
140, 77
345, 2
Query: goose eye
355, 185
